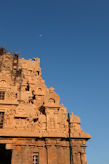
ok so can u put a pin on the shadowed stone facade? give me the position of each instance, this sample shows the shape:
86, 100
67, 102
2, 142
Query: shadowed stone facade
34, 128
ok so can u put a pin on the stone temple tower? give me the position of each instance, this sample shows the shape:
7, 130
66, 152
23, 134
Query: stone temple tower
34, 127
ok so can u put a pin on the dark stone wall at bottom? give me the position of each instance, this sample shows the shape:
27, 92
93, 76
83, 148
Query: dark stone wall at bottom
47, 151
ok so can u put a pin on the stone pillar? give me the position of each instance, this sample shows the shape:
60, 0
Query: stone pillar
13, 157
61, 155
52, 155
16, 156
21, 155
66, 155
42, 155
76, 158
26, 155
83, 158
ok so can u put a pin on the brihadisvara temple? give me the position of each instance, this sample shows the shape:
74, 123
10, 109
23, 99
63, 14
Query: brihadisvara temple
34, 127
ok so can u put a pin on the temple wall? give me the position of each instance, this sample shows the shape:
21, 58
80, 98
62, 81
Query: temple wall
48, 151
34, 126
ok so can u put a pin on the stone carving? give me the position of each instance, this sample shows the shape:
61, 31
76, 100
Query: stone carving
6, 62
31, 96
30, 108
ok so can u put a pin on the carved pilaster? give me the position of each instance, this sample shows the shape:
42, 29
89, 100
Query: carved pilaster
21, 155
83, 158
16, 156
76, 158
42, 155
52, 155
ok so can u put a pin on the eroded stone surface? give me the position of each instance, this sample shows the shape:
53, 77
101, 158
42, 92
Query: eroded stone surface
31, 110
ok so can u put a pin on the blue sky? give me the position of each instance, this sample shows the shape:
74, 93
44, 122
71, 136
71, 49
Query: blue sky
71, 37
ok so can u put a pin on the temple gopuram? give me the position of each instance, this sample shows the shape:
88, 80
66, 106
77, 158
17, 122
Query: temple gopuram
34, 127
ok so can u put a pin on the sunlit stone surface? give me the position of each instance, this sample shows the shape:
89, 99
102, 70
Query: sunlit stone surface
34, 128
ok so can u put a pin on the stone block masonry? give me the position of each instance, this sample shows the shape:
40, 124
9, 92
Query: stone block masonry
34, 127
